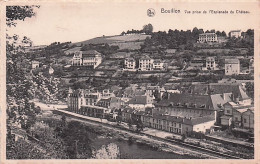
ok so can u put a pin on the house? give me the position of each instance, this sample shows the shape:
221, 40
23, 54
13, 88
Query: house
90, 97
51, 70
235, 33
130, 63
158, 64
237, 115
248, 119
77, 59
236, 91
210, 63
127, 113
140, 102
133, 90
35, 64
197, 62
191, 105
110, 103
232, 66
208, 37
153, 90
73, 100
175, 124
90, 58
94, 111
145, 63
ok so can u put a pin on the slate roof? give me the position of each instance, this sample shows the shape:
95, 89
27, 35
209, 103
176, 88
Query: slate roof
193, 101
138, 100
187, 121
90, 53
220, 88
231, 61
130, 59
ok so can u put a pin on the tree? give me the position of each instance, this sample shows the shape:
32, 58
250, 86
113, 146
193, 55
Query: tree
148, 29
37, 110
130, 123
218, 33
223, 34
111, 151
14, 13
63, 121
139, 125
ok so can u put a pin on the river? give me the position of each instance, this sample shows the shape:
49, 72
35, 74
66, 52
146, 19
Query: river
136, 150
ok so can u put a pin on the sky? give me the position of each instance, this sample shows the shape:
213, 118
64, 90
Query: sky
61, 22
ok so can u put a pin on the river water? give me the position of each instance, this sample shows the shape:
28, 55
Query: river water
135, 150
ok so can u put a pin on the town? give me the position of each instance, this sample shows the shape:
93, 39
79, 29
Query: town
193, 88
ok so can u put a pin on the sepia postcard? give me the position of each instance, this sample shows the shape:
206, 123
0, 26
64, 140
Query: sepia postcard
130, 81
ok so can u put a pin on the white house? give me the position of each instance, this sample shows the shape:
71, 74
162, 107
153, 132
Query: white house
130, 63
208, 37
232, 66
90, 58
235, 33
146, 63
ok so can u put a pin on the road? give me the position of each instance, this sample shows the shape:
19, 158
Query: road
44, 106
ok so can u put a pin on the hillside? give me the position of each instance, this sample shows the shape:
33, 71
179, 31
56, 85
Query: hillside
113, 39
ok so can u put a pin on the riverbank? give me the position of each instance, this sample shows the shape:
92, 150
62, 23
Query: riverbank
154, 141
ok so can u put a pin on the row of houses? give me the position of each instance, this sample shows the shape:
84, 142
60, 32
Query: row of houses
232, 66
145, 63
212, 37
205, 106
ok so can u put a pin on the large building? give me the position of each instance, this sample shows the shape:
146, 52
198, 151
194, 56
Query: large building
77, 59
141, 102
191, 106
232, 67
146, 63
176, 124
235, 33
90, 58
208, 37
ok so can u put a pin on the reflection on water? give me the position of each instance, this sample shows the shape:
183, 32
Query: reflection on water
133, 150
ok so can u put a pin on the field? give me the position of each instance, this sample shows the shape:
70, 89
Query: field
128, 45
72, 50
223, 51
129, 37
113, 39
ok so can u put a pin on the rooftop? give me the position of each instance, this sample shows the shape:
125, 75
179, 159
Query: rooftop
231, 61
208, 102
220, 88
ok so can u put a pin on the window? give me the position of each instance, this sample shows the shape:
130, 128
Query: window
228, 111
236, 119
244, 120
